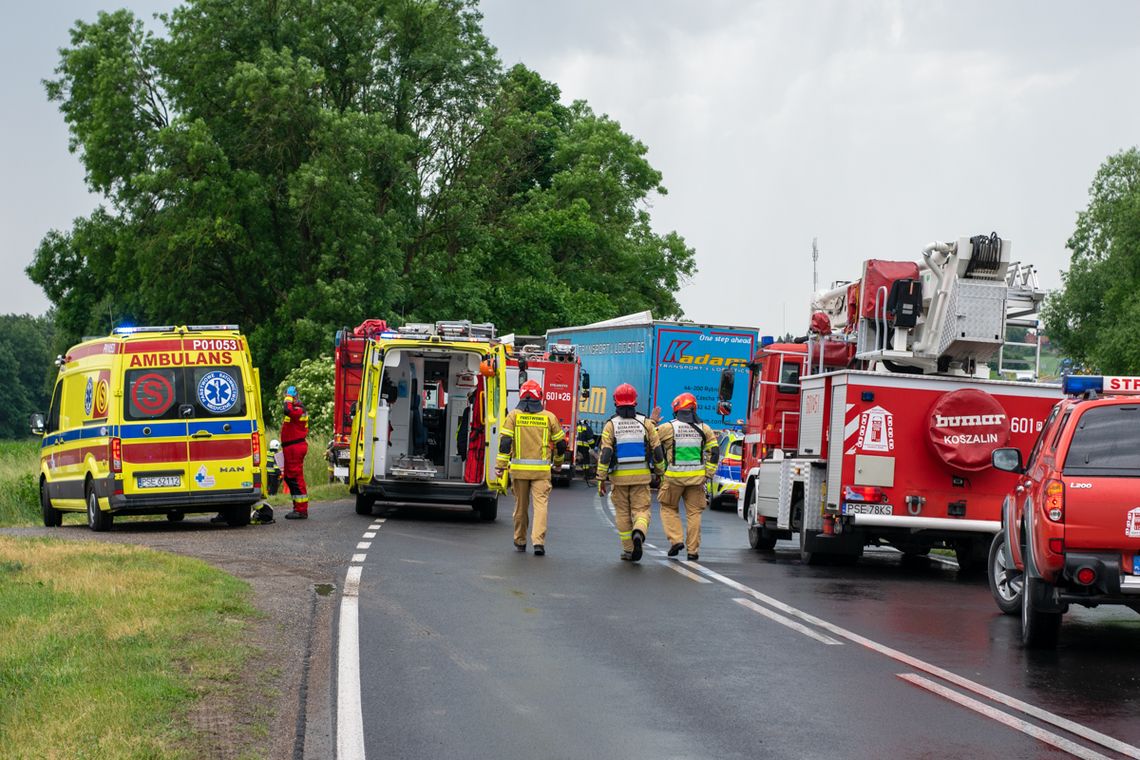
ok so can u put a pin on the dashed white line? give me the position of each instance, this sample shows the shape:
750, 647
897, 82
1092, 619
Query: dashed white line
359, 557
370, 534
1024, 726
364, 545
800, 627
349, 713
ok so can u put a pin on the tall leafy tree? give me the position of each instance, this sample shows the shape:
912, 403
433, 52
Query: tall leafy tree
293, 167
1095, 317
26, 370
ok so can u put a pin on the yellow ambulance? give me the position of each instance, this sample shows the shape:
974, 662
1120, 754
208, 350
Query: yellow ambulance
153, 421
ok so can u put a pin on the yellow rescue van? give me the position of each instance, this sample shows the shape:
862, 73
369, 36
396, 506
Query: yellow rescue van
151, 421
426, 427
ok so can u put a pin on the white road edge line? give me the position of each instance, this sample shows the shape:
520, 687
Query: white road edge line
687, 573
349, 713
777, 617
913, 662
1025, 727
359, 557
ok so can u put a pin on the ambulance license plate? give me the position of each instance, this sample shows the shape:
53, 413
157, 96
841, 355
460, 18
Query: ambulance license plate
868, 509
160, 481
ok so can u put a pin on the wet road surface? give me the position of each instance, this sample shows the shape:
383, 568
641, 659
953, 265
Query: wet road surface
469, 649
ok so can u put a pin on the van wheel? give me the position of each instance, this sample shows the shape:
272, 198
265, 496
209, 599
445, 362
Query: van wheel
175, 516
364, 504
97, 519
53, 518
488, 509
238, 517
1006, 581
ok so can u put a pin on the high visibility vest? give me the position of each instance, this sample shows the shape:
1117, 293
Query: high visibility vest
688, 451
630, 446
529, 430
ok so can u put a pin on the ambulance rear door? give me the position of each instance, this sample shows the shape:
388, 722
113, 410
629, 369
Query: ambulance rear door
494, 412
221, 424
154, 423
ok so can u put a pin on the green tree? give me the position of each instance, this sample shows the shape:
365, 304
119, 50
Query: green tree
295, 167
27, 370
1095, 317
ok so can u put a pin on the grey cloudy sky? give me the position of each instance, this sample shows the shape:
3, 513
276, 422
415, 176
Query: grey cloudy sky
875, 126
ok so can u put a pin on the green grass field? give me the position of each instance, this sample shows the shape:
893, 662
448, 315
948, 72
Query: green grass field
103, 653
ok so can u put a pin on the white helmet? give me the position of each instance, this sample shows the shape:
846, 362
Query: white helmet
274, 445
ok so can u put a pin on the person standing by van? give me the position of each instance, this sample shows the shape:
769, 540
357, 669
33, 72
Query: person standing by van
691, 455
528, 434
294, 431
630, 452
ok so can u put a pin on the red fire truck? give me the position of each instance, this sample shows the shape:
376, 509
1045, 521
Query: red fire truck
348, 361
878, 427
559, 371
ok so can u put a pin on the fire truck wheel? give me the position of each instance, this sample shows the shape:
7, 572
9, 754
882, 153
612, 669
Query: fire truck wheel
364, 504
97, 519
53, 518
760, 539
972, 555
1039, 629
488, 509
809, 557
1005, 580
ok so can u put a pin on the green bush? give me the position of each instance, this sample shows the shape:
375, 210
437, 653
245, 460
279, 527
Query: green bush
19, 482
314, 380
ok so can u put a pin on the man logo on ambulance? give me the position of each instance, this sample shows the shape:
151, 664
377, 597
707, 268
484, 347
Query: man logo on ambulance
876, 430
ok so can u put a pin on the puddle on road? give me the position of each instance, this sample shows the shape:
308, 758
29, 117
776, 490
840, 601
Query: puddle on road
324, 589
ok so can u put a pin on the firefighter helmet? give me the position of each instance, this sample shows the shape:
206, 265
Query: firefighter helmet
625, 395
274, 445
531, 389
487, 368
684, 401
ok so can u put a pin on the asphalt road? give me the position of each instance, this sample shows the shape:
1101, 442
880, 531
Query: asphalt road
469, 649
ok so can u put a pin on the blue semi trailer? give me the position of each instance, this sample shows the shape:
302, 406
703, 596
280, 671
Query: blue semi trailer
662, 360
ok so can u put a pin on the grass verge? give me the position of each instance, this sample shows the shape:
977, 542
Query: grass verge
104, 649
19, 487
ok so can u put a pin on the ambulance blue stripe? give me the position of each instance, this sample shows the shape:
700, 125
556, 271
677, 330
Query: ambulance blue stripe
157, 430
77, 434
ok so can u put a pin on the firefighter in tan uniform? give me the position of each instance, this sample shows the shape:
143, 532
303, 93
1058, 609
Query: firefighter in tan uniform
691, 455
528, 434
630, 451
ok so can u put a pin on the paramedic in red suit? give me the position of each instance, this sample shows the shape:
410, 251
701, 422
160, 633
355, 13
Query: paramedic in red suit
294, 430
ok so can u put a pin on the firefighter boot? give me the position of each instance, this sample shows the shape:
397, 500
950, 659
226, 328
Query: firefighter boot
539, 550
638, 538
675, 549
295, 515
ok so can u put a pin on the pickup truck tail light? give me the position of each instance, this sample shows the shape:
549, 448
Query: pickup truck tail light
1055, 500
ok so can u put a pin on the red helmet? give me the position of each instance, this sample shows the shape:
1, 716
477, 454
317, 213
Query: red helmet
684, 401
625, 395
531, 389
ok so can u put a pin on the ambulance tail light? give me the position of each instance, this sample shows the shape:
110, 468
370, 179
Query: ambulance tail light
256, 441
1055, 500
864, 494
116, 455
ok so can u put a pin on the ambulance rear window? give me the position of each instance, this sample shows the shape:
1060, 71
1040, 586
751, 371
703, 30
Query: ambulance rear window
153, 394
216, 391
1106, 442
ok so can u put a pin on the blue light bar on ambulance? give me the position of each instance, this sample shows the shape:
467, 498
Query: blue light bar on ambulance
1074, 385
150, 328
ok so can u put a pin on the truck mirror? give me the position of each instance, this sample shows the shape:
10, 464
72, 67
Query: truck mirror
36, 423
1007, 460
522, 376
727, 382
585, 381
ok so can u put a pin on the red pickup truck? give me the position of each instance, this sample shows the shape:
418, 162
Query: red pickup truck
1071, 527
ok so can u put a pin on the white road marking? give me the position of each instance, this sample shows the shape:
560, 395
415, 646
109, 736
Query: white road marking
913, 662
800, 627
349, 713
359, 557
687, 573
374, 526
364, 545
370, 534
1025, 727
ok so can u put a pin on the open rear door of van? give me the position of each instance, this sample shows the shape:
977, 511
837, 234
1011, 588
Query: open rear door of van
494, 412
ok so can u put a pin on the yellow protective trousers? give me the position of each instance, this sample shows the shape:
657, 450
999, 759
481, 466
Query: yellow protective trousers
670, 496
631, 512
537, 490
